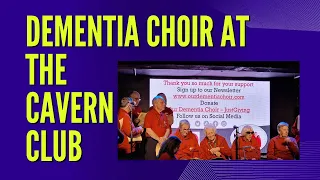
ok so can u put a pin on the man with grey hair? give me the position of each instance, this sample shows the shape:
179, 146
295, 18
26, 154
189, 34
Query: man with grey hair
283, 147
157, 127
189, 147
214, 146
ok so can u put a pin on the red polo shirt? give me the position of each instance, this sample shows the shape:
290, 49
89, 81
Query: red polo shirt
158, 122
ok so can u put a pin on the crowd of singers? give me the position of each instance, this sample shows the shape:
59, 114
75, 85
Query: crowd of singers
184, 144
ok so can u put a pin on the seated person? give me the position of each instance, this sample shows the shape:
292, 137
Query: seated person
248, 147
283, 147
169, 148
213, 146
189, 147
126, 127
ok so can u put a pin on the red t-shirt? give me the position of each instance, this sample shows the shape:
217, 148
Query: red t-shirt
158, 122
126, 128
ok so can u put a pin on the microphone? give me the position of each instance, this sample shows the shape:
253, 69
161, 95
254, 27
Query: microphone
235, 127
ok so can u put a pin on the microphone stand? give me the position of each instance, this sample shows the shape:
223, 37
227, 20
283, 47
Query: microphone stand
131, 135
237, 143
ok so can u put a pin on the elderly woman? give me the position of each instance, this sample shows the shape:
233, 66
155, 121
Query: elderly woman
213, 146
248, 147
283, 147
189, 147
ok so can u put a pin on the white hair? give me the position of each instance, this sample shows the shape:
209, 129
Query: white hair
209, 126
282, 124
245, 129
157, 98
184, 121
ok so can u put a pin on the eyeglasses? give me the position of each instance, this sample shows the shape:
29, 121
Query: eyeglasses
250, 132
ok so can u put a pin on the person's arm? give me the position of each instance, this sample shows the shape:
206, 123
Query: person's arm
153, 134
203, 151
148, 126
270, 153
166, 135
293, 146
224, 148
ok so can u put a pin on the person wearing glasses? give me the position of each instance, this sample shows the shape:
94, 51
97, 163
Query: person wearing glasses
248, 147
214, 146
189, 147
283, 147
125, 125
136, 110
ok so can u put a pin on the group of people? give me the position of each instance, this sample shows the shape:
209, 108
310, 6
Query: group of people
159, 143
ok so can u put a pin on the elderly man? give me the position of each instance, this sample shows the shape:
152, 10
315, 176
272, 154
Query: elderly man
126, 126
213, 146
157, 127
248, 147
167, 111
283, 147
136, 110
189, 147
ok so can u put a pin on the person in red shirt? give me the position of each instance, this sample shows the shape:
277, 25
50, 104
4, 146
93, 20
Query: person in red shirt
248, 148
213, 146
283, 147
126, 127
169, 148
189, 147
295, 129
258, 139
157, 127
167, 111
136, 110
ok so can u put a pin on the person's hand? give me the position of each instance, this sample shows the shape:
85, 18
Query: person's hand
253, 158
213, 150
218, 154
242, 158
140, 129
252, 148
287, 140
191, 148
161, 140
279, 159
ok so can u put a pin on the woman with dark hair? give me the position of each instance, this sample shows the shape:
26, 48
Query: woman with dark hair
169, 148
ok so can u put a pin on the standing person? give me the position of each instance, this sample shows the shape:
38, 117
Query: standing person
167, 111
136, 110
126, 127
157, 127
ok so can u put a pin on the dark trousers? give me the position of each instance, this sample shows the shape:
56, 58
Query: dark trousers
150, 149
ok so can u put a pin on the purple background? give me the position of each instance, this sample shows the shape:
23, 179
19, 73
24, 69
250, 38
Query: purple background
95, 69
